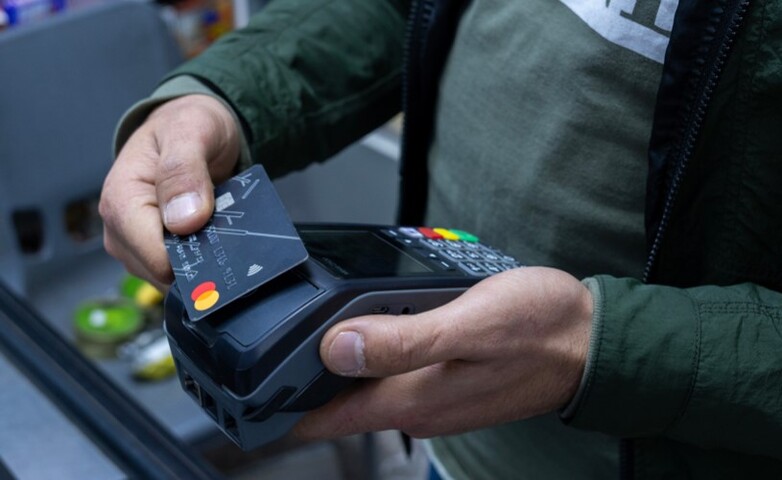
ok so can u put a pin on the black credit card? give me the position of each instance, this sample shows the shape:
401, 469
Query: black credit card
248, 241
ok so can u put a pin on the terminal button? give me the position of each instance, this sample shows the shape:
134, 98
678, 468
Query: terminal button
465, 236
430, 233
447, 265
434, 244
491, 256
491, 267
473, 269
410, 232
454, 254
447, 234
473, 255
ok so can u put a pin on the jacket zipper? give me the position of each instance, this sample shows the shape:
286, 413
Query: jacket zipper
692, 132
419, 17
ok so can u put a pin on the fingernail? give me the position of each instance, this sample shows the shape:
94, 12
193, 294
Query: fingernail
346, 353
181, 207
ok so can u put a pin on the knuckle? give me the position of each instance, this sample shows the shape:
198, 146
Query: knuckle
107, 208
134, 270
159, 273
109, 245
173, 165
412, 417
113, 207
111, 224
398, 353
415, 424
176, 174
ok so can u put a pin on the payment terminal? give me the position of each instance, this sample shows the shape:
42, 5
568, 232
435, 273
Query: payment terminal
254, 365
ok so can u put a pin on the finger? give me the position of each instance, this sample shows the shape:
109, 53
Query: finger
159, 275
371, 405
184, 187
384, 345
436, 400
133, 232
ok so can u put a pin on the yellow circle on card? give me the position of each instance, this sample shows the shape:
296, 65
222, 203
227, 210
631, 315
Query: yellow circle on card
206, 300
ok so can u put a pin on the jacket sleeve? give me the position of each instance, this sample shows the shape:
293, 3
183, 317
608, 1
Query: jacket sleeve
701, 366
308, 77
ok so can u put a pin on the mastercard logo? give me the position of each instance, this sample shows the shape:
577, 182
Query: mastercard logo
205, 296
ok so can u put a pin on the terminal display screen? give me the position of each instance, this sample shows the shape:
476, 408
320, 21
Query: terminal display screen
359, 254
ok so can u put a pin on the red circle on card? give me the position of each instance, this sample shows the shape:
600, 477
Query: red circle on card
201, 289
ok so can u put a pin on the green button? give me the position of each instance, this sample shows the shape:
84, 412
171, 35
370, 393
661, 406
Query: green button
447, 234
467, 237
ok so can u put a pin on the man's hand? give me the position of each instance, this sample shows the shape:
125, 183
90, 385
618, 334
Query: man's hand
163, 177
512, 347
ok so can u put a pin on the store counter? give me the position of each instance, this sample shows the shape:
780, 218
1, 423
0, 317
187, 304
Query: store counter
62, 417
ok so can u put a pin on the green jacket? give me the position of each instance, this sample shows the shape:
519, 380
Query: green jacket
686, 363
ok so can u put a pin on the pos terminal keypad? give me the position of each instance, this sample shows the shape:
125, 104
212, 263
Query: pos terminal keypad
452, 249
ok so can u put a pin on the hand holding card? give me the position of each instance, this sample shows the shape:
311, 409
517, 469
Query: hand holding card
248, 241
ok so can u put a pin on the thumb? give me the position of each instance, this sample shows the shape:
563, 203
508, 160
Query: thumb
184, 187
384, 345
198, 140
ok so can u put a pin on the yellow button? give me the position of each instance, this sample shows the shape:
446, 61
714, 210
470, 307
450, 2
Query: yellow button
447, 234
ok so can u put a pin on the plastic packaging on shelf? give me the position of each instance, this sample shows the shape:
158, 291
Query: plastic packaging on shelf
24, 12
20, 12
197, 23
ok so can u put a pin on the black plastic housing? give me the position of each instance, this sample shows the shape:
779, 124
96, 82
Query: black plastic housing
254, 365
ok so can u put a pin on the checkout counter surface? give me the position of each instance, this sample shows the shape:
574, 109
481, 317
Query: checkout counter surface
63, 418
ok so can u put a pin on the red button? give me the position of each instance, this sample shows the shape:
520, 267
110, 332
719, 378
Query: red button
430, 233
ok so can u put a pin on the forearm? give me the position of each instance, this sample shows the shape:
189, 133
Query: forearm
308, 77
701, 365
